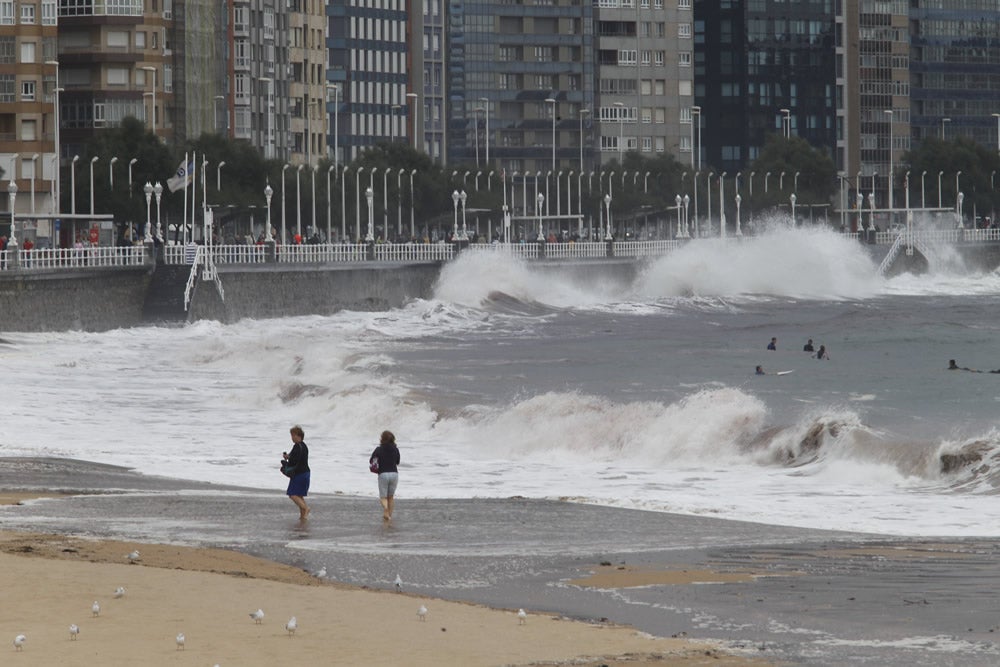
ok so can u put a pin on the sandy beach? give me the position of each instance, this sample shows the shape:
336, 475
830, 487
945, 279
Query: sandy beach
51, 581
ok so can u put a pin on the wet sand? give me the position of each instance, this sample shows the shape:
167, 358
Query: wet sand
599, 583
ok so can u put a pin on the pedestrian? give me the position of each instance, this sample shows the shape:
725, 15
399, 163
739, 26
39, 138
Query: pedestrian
295, 466
387, 456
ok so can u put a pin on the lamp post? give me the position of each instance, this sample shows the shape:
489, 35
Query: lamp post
153, 70
539, 201
416, 124
958, 209
871, 214
221, 98
940, 174
695, 111
283, 225
131, 163
722, 205
792, 199
551, 101
92, 161
739, 228
385, 204
158, 192
454, 230
943, 121
148, 189
336, 121
687, 231
298, 201
34, 168
486, 114
465, 230
111, 173
312, 197
399, 204
413, 231
677, 203
621, 124
958, 175
786, 122
357, 202
218, 176
888, 112
12, 195
58, 149
781, 181
922, 204
329, 206
268, 193
766, 177
607, 218
795, 182
582, 112
369, 195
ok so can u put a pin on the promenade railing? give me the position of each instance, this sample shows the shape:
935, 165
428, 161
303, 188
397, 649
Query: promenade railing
70, 258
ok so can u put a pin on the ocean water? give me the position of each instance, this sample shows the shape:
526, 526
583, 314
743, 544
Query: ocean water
509, 382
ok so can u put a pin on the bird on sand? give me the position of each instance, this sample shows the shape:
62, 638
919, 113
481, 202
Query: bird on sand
321, 572
133, 557
19, 642
422, 613
522, 616
95, 608
119, 592
399, 584
292, 626
74, 630
180, 641
257, 616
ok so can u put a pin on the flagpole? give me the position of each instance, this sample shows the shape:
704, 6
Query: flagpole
194, 198
184, 215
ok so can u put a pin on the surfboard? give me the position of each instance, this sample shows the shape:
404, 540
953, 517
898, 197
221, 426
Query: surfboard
784, 372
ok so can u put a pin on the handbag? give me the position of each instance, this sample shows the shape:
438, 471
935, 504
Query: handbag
287, 470
373, 464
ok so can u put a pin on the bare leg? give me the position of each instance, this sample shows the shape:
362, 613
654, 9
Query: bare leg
300, 502
390, 504
386, 514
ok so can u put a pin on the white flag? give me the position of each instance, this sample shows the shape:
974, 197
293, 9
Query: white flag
182, 178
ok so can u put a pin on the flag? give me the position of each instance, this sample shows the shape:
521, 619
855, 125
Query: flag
182, 178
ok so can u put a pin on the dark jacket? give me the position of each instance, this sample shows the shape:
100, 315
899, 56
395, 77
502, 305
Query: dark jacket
388, 458
298, 458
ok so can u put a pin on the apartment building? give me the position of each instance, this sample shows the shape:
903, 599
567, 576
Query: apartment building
28, 143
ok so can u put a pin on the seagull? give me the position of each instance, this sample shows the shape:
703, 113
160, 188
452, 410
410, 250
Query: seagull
422, 613
291, 626
74, 630
321, 573
133, 557
257, 616
19, 642
96, 608
522, 616
180, 641
120, 592
399, 584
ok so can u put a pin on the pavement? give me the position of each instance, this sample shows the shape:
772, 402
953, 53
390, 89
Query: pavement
795, 596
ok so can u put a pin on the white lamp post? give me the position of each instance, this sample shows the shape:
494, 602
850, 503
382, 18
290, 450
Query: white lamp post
958, 209
677, 203
786, 122
369, 195
12, 196
329, 206
92, 161
218, 176
871, 214
148, 189
454, 231
298, 200
34, 168
111, 173
283, 226
336, 122
607, 218
940, 174
413, 231
465, 229
72, 183
739, 227
399, 204
268, 193
943, 121
385, 204
55, 178
486, 113
540, 201
131, 163
792, 198
158, 191
922, 192
221, 98
958, 175
153, 70
722, 205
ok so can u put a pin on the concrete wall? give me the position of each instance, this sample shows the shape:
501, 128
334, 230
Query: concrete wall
92, 300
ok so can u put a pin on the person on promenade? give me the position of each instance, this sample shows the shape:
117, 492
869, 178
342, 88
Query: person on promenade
808, 347
773, 345
387, 455
821, 354
295, 465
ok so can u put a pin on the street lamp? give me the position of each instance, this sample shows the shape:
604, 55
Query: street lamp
607, 218
131, 163
677, 202
958, 175
943, 121
922, 204
111, 173
687, 231
454, 230
158, 191
148, 189
385, 204
218, 176
298, 201
416, 124
550, 100
795, 188
34, 168
55, 124
92, 161
871, 213
940, 174
465, 229
283, 234
540, 200
582, 113
221, 98
329, 206
621, 146
268, 193
888, 112
413, 231
72, 183
12, 194
786, 122
739, 199
958, 209
486, 114
369, 194
792, 198
153, 70
399, 204
695, 111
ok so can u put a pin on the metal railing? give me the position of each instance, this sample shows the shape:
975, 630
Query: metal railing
576, 250
72, 258
321, 253
414, 252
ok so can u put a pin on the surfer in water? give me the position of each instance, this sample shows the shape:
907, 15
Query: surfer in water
773, 345
821, 353
952, 366
808, 347
760, 371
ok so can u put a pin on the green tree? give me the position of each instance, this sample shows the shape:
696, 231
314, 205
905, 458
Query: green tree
817, 174
980, 167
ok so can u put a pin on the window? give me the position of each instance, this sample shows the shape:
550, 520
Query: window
27, 91
118, 39
6, 12
684, 59
646, 58
543, 54
29, 130
685, 116
27, 52
683, 4
658, 58
117, 76
6, 87
27, 14
684, 30
684, 88
140, 40
7, 50
647, 144
627, 57
647, 115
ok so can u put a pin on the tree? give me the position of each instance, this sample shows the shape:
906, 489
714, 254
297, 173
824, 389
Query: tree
980, 167
817, 175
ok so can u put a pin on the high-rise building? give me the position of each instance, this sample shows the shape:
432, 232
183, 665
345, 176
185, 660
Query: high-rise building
28, 143
429, 81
